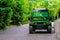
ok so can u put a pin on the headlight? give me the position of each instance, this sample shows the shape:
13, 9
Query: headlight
35, 23
44, 18
44, 23
35, 18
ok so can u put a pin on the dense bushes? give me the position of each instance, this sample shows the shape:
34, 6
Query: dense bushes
17, 13
12, 12
5, 14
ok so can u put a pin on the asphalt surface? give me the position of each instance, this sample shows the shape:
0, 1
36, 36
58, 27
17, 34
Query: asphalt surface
22, 33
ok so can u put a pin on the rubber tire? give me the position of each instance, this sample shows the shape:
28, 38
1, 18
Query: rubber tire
49, 30
31, 30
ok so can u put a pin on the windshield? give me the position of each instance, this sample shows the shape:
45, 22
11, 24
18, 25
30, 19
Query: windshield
40, 14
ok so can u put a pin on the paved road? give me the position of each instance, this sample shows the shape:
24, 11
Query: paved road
22, 33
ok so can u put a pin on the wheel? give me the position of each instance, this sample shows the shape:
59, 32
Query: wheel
49, 29
31, 29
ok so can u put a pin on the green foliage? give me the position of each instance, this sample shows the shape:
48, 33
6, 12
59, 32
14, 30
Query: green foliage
17, 12
5, 14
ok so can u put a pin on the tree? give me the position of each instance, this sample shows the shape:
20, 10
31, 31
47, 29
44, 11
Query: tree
5, 13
